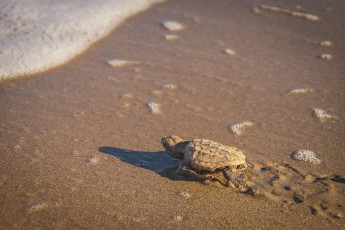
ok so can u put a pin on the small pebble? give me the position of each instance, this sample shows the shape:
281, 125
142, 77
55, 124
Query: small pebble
119, 63
301, 91
237, 128
327, 57
177, 218
184, 194
321, 114
171, 37
169, 86
154, 108
326, 43
92, 160
173, 26
230, 52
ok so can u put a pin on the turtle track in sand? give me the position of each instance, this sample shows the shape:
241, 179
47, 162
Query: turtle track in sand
323, 194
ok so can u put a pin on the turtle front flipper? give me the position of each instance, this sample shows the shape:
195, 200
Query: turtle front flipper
235, 179
184, 169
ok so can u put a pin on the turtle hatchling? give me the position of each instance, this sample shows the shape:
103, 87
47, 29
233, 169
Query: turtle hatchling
202, 157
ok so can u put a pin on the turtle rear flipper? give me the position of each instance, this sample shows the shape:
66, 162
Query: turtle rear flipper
235, 179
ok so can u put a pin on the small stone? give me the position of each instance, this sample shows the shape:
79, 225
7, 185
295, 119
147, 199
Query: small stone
154, 108
237, 128
321, 114
119, 63
173, 26
301, 91
169, 86
327, 57
171, 37
326, 43
230, 52
184, 194
92, 160
177, 218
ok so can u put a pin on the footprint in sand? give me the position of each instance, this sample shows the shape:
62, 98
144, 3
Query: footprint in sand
287, 184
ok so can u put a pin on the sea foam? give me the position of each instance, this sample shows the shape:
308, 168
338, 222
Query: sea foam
37, 35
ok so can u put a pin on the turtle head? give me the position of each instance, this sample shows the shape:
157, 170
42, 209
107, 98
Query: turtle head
169, 143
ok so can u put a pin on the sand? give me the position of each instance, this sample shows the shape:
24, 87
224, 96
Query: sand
80, 147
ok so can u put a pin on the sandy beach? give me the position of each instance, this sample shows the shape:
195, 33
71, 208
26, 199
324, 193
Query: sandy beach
80, 144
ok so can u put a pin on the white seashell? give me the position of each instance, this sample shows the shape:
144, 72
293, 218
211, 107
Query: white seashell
301, 91
169, 86
184, 194
326, 43
170, 37
305, 155
154, 108
119, 63
321, 114
326, 56
237, 128
173, 26
230, 52
92, 160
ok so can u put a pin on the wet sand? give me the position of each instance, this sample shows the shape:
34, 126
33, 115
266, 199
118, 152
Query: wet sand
80, 147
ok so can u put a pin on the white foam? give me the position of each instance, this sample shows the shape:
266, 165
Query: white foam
37, 35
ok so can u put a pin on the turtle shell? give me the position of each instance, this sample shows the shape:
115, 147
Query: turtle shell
203, 154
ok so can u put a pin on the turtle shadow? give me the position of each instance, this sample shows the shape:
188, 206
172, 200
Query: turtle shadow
160, 162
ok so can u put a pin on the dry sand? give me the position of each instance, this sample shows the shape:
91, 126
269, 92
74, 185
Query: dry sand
80, 147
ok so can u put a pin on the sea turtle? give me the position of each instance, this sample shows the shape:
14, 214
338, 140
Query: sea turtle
202, 157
